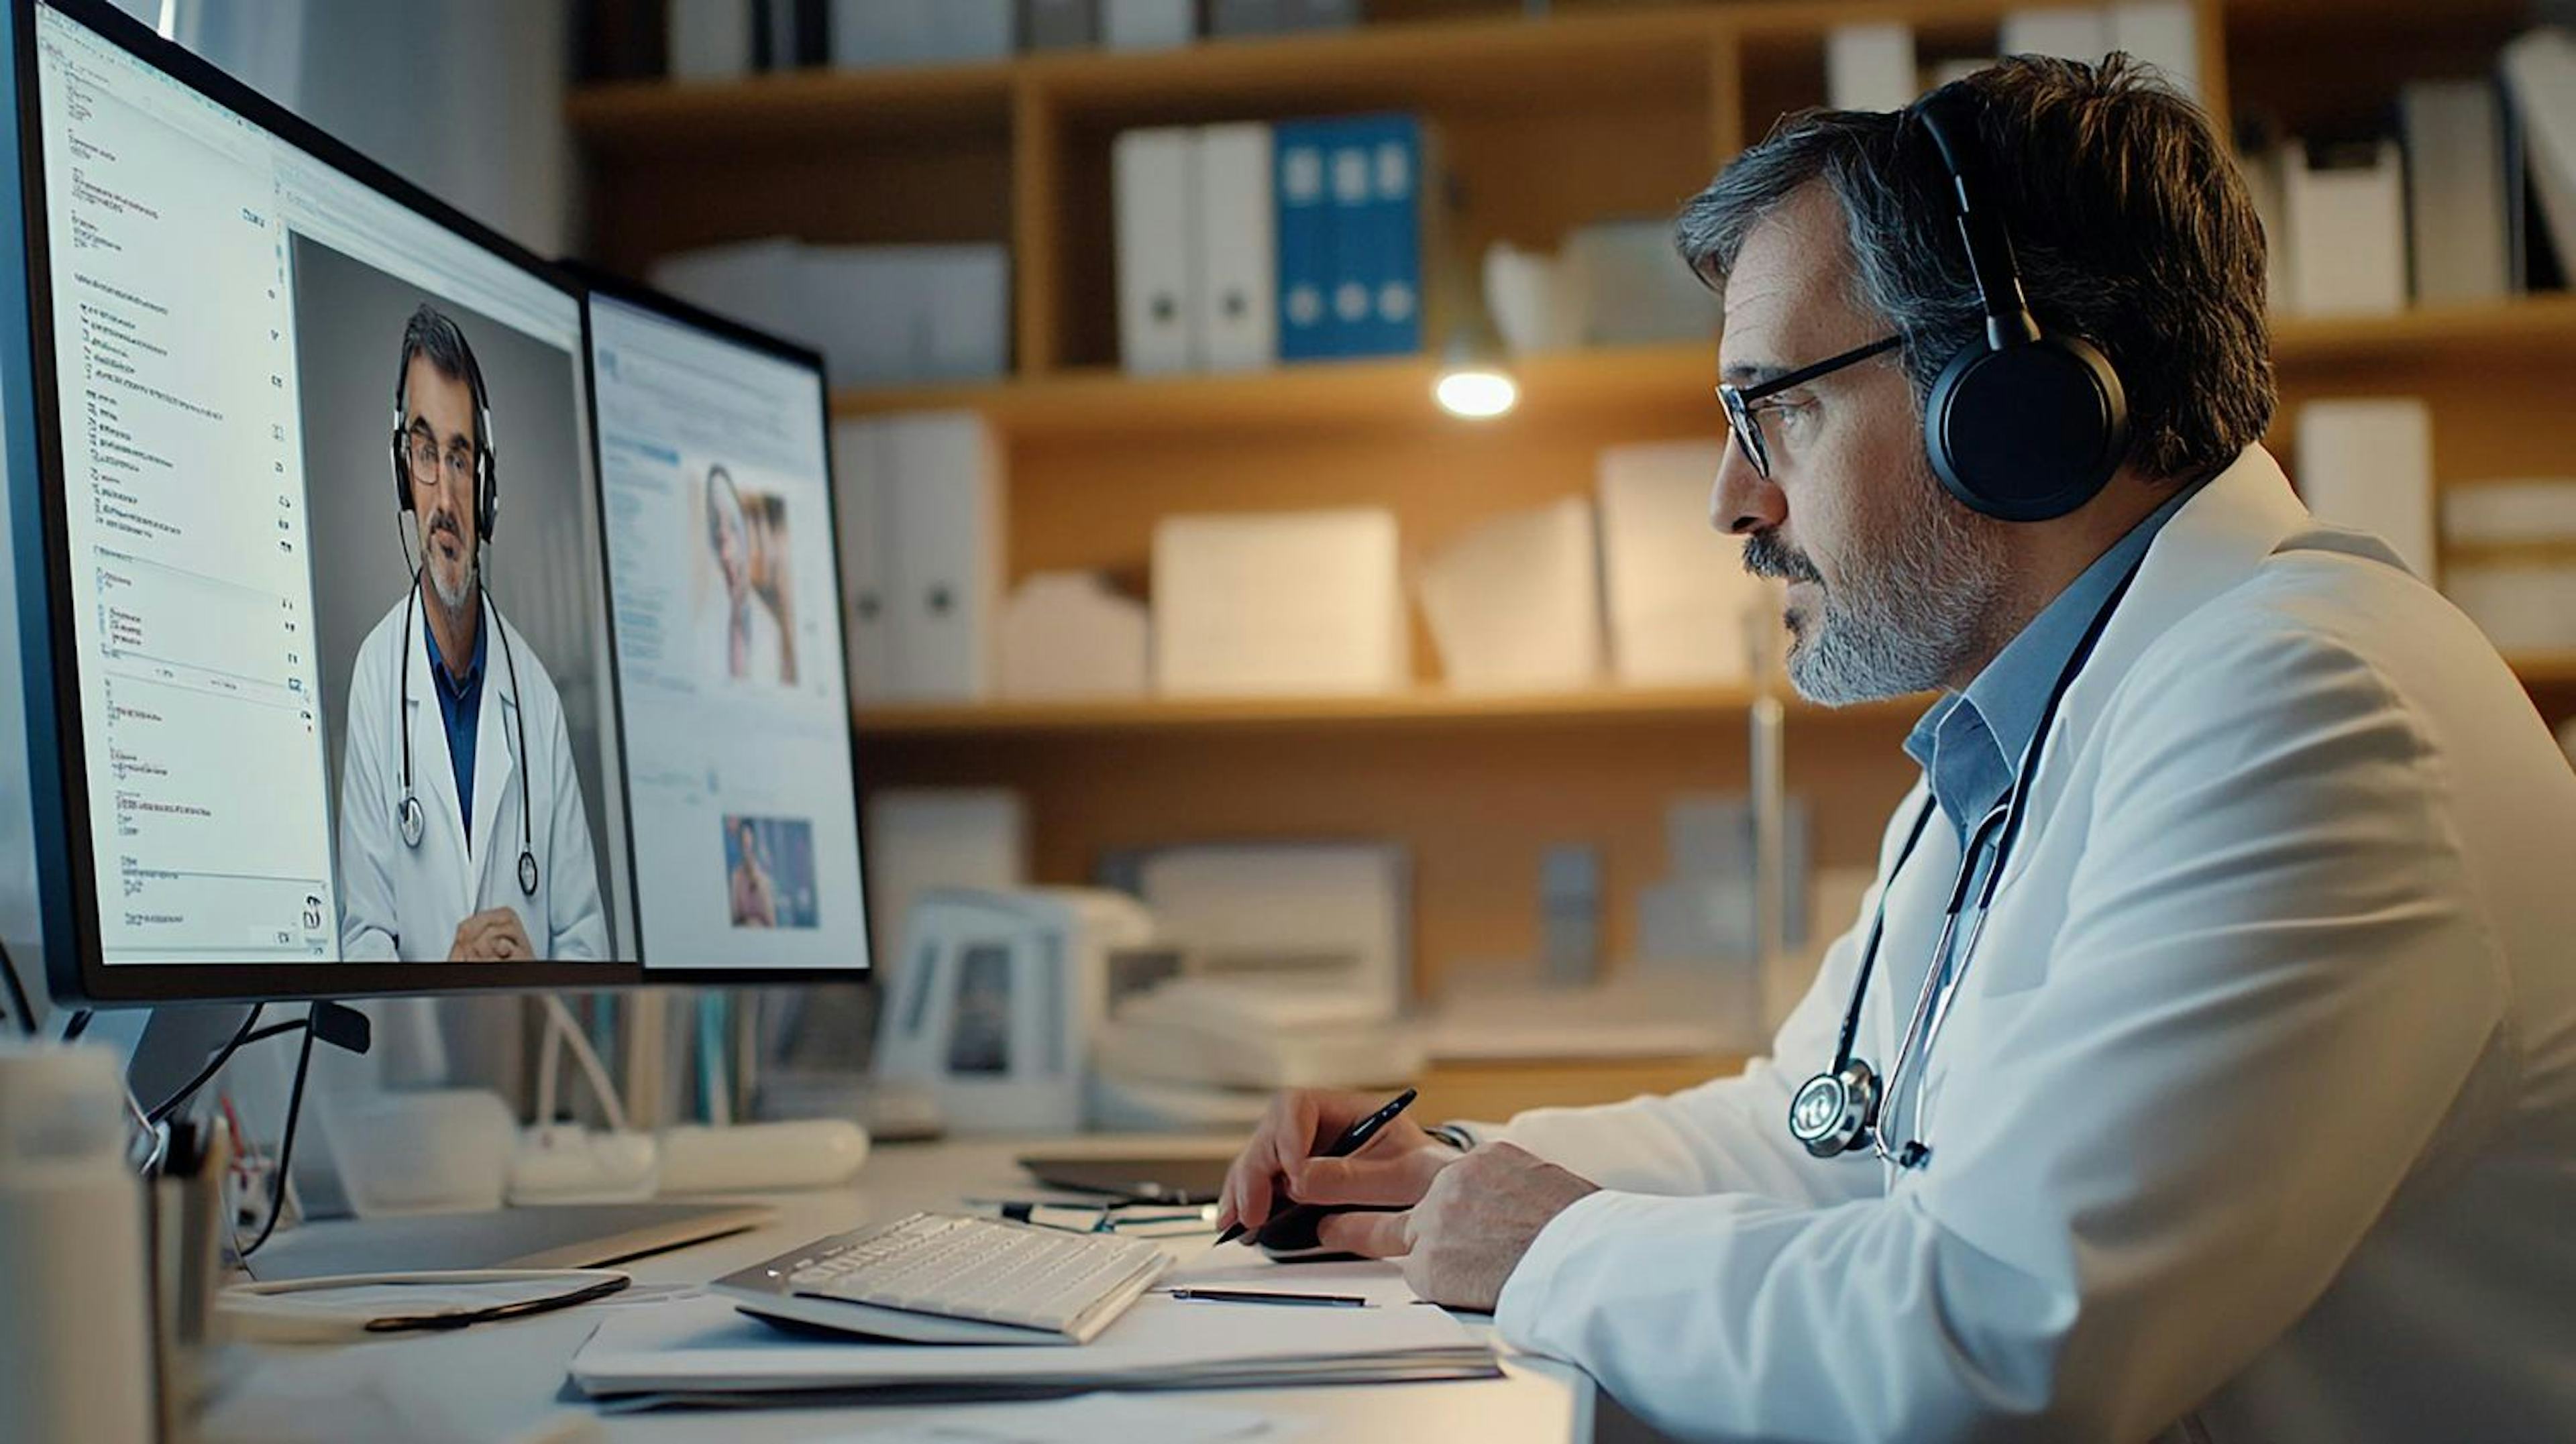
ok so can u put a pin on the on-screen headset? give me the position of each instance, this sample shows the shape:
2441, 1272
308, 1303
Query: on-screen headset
487, 488
2026, 425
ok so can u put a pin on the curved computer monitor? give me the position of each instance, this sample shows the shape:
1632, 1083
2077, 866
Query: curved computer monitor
328, 580
714, 459
324, 617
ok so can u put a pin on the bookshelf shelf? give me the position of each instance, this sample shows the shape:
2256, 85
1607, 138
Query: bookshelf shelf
1664, 379
1427, 707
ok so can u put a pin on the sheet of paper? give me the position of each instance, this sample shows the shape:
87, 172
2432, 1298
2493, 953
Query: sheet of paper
706, 1344
1087, 1419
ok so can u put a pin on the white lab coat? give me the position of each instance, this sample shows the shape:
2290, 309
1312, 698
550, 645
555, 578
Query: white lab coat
405, 902
2255, 1118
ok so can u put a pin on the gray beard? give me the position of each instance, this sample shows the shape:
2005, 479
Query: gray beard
1909, 625
454, 602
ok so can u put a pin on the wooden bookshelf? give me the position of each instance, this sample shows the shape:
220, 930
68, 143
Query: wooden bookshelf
1606, 110
1396, 391
1428, 708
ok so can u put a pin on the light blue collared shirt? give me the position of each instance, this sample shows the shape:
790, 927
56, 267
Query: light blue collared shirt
1970, 743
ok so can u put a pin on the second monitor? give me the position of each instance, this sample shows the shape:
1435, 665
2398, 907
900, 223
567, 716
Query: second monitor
716, 478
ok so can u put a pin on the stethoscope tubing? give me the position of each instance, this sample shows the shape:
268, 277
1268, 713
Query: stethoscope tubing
407, 812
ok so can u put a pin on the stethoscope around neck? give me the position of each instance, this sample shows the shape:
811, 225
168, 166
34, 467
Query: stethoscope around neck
1845, 1107
408, 815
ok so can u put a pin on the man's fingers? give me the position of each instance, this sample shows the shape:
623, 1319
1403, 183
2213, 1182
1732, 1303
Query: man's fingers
1370, 1235
1397, 1180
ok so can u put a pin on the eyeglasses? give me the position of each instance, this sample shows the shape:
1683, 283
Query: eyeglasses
428, 461
1742, 403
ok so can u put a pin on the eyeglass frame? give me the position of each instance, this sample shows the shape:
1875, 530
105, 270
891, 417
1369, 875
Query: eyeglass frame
1739, 401
419, 431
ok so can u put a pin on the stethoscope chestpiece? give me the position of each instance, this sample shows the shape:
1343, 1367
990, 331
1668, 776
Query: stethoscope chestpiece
527, 872
407, 817
1830, 1114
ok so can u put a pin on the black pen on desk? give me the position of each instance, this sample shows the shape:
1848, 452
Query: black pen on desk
1353, 1139
1259, 1296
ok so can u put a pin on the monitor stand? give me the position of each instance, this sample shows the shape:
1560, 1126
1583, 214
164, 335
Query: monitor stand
571, 1235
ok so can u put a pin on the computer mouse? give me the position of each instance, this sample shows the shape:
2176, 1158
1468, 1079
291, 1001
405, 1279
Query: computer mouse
1291, 1233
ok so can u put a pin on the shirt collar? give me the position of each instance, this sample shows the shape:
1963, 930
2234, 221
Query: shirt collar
473, 667
1969, 743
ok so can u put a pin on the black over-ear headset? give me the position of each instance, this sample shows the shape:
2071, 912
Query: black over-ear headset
2027, 425
487, 488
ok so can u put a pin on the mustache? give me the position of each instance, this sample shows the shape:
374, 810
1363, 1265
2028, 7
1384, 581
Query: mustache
446, 521
1765, 555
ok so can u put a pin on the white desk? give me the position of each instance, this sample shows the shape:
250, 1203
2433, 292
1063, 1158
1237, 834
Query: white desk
502, 1381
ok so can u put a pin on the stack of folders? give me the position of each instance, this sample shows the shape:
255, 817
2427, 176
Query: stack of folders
1873, 65
919, 508
2472, 200
700, 1351
1240, 246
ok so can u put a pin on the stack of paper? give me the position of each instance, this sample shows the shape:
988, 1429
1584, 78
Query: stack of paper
1336, 917
1683, 610
1279, 604
1515, 602
2509, 560
702, 1349
2367, 463
1067, 634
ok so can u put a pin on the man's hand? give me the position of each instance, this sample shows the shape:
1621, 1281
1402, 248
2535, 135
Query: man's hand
1469, 1231
1395, 1167
491, 936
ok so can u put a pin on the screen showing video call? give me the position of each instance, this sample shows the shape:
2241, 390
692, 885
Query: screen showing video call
340, 578
728, 644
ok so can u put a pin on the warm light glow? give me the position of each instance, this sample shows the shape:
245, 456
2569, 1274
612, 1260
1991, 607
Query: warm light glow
1476, 394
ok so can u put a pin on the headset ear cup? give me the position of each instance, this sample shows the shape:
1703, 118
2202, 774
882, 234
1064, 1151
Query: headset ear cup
487, 489
2027, 432
402, 471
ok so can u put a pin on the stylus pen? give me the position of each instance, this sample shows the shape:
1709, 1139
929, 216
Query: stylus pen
1257, 1296
1353, 1139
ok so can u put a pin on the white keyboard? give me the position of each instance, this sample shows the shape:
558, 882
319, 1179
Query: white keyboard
938, 1278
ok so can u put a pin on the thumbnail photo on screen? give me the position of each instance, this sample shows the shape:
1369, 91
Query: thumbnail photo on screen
458, 617
745, 593
769, 872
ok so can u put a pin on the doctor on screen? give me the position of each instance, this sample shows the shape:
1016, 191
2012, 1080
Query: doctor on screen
462, 831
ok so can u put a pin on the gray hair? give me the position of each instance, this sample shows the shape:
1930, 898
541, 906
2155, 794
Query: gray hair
2129, 219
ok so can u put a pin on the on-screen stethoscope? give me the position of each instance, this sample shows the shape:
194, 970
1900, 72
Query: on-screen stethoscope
1842, 1108
407, 813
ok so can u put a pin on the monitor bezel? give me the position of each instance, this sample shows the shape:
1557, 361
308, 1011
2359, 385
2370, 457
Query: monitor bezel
598, 281
76, 971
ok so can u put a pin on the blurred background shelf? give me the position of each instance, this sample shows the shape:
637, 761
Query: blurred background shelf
1428, 709
1601, 112
1626, 380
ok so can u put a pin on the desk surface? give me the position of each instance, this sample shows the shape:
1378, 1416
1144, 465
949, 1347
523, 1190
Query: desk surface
505, 1381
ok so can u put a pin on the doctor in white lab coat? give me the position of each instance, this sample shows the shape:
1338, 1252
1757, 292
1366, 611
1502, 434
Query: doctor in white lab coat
463, 835
2249, 1112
